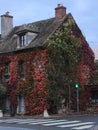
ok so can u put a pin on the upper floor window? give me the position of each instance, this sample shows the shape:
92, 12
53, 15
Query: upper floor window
22, 39
21, 69
6, 71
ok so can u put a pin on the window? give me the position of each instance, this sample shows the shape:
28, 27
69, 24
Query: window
95, 96
22, 40
38, 63
21, 69
6, 71
21, 105
25, 37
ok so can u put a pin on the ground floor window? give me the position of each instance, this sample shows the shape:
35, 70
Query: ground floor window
21, 105
7, 104
94, 96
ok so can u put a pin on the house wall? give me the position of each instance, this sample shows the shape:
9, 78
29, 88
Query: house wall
33, 86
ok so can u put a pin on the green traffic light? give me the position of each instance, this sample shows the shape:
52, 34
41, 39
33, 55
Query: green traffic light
76, 85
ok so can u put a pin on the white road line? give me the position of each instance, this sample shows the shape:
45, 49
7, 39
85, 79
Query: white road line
34, 121
42, 122
78, 124
24, 121
10, 120
1, 121
60, 123
83, 127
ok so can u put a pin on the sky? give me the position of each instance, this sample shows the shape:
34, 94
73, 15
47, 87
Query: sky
83, 11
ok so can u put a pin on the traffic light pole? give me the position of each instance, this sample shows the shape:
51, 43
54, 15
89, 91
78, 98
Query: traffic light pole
69, 106
77, 100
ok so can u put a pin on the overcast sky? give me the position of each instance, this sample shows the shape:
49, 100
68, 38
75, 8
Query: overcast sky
83, 11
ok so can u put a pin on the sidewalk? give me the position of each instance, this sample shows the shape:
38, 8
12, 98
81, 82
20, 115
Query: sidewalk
6, 116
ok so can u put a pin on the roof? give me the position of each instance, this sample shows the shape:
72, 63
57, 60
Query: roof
44, 29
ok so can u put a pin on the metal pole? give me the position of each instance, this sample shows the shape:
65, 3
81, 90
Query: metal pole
77, 100
69, 98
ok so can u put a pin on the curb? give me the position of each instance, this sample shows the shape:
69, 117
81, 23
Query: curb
50, 116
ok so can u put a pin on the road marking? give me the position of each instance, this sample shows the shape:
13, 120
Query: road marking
24, 121
47, 121
78, 124
60, 123
33, 121
83, 127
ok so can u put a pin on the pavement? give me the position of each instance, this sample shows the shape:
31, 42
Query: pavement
48, 116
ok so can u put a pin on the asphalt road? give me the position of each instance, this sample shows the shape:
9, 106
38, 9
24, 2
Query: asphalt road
78, 122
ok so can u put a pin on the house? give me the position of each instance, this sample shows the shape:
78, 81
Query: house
24, 60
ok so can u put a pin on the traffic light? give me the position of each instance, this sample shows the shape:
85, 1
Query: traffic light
76, 85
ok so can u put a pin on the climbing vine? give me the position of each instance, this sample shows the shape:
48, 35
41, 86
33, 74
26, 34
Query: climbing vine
68, 62
66, 59
33, 86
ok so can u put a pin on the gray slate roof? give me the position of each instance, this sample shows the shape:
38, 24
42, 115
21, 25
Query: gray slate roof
44, 28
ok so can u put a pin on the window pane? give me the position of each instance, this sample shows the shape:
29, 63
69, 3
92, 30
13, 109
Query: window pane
22, 40
21, 69
7, 71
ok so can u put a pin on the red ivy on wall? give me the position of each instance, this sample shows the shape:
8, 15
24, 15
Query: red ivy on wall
33, 87
36, 102
13, 80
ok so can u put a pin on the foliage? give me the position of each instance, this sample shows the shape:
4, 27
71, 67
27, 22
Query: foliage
64, 55
49, 71
33, 86
3, 91
40, 91
68, 63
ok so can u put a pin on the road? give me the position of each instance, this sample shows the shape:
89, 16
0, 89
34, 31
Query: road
83, 122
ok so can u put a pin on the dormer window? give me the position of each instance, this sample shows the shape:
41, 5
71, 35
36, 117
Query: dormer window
22, 40
25, 37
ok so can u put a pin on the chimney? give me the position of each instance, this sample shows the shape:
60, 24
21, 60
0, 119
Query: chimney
6, 24
60, 11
